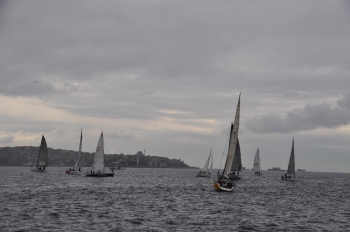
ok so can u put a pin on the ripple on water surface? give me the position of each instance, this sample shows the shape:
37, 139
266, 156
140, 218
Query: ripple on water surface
171, 200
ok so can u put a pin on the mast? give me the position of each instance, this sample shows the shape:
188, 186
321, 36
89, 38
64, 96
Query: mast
291, 165
81, 140
233, 140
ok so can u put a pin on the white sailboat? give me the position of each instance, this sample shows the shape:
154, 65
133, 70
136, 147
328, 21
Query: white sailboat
43, 157
98, 166
290, 175
76, 170
224, 182
206, 171
256, 165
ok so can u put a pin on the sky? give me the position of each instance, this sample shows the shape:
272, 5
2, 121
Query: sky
165, 76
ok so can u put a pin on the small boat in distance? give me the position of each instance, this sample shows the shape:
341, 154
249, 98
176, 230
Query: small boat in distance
43, 157
98, 167
290, 175
76, 170
116, 166
223, 182
256, 165
275, 169
206, 172
301, 170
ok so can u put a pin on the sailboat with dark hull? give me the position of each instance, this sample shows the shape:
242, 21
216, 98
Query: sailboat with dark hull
233, 158
76, 170
43, 157
98, 166
290, 175
257, 164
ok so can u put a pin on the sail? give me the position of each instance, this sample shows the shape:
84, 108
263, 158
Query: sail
98, 164
212, 160
81, 140
43, 154
205, 168
237, 162
233, 140
256, 166
291, 165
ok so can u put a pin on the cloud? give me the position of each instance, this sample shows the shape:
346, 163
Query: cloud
121, 135
306, 118
6, 139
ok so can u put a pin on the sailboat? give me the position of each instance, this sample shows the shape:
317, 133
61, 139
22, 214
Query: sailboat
98, 167
76, 170
290, 175
43, 157
256, 165
205, 172
224, 182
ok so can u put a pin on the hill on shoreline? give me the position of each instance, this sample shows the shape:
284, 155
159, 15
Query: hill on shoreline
18, 156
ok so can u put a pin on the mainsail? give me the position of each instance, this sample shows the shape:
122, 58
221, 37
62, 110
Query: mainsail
205, 168
291, 165
98, 164
43, 154
233, 141
237, 161
81, 140
256, 166
212, 160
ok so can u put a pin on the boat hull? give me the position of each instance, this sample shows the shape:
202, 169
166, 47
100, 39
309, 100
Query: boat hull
221, 188
100, 175
73, 172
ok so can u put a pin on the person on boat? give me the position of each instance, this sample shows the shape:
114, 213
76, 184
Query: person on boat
237, 173
285, 175
70, 169
79, 169
44, 168
219, 181
209, 173
282, 177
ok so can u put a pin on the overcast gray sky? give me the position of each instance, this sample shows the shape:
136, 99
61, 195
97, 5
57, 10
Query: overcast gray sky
165, 76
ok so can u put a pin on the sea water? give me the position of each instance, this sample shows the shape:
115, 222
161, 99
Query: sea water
146, 199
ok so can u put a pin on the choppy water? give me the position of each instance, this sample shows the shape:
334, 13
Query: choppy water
171, 200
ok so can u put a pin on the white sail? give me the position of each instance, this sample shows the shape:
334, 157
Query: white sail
212, 160
81, 140
233, 140
291, 165
256, 166
205, 168
43, 154
98, 164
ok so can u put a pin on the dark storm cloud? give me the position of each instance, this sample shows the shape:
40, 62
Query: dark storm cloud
307, 118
